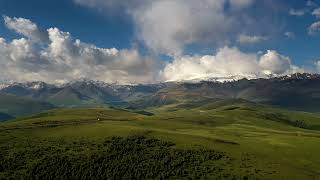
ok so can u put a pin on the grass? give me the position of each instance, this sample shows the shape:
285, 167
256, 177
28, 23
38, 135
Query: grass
18, 106
256, 142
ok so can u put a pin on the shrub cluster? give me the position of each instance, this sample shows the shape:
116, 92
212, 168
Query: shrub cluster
117, 158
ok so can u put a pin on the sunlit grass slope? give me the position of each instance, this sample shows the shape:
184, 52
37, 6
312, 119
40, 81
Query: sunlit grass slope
255, 142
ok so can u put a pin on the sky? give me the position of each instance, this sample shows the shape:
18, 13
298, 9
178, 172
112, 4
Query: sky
148, 41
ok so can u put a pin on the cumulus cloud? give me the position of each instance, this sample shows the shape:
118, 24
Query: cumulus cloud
316, 12
290, 35
168, 26
245, 39
26, 28
311, 3
314, 28
317, 64
274, 63
297, 12
228, 62
171, 26
64, 59
238, 4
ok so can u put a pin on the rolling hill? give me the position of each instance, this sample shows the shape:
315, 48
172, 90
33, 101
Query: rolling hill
225, 139
19, 106
193, 130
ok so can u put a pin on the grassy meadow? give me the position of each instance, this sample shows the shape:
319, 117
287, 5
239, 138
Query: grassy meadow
220, 140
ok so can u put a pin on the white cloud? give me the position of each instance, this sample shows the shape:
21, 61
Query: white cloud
311, 3
274, 63
290, 35
168, 26
65, 59
316, 12
240, 3
21, 50
110, 3
317, 64
171, 26
297, 12
314, 28
245, 39
25, 27
228, 62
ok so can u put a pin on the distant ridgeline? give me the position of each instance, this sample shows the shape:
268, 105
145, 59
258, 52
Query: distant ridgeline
4, 117
296, 92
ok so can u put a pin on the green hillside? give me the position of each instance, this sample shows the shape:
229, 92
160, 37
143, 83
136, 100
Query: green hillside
19, 106
4, 117
227, 139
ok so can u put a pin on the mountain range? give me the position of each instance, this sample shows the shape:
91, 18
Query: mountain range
296, 92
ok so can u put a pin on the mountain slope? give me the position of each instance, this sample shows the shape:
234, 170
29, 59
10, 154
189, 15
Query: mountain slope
19, 106
68, 97
296, 92
4, 117
96, 91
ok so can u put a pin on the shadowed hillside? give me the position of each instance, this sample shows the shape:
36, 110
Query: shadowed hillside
295, 92
20, 106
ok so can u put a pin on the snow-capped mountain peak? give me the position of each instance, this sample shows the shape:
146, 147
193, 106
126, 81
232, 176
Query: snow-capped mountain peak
2, 86
221, 79
300, 76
